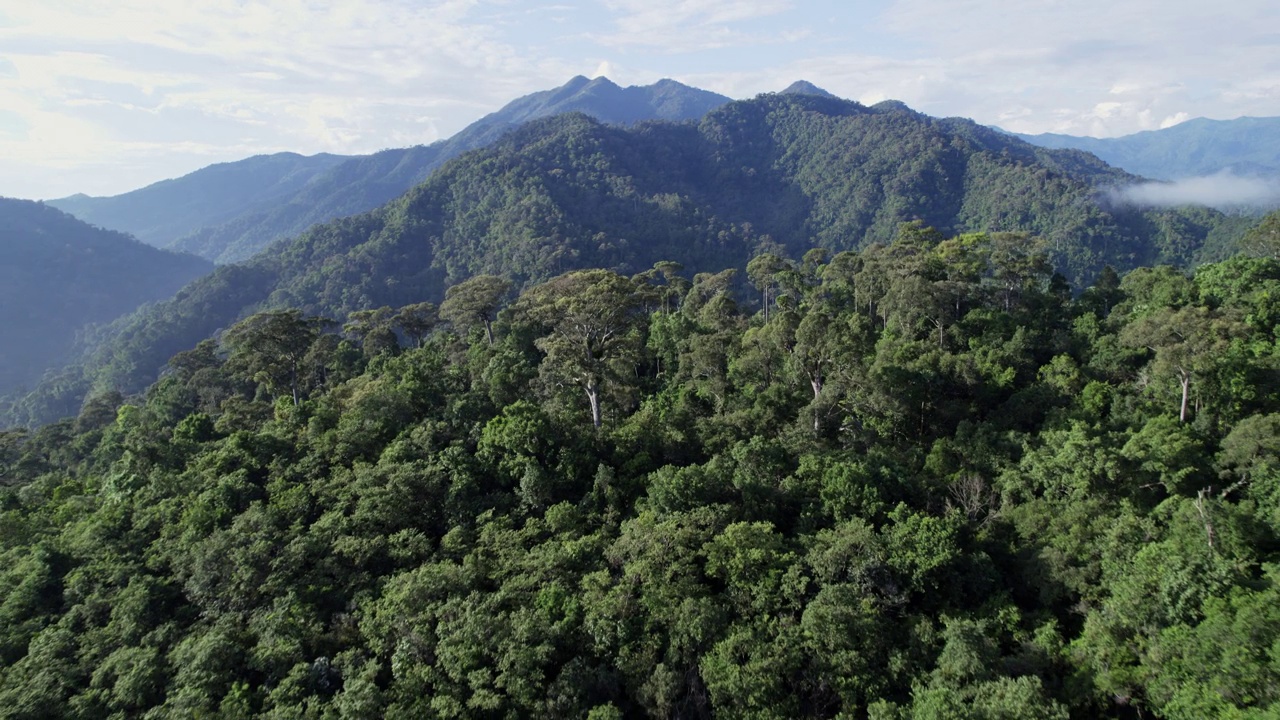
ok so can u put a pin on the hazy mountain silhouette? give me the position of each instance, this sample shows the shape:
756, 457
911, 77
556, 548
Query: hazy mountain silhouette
161, 212
58, 274
1244, 146
229, 212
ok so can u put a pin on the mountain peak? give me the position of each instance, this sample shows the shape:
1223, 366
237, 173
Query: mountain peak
804, 87
891, 105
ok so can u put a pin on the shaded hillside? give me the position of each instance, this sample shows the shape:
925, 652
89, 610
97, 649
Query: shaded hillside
364, 183
160, 213
58, 274
1244, 146
781, 172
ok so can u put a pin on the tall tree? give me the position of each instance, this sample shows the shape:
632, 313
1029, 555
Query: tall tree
1186, 342
373, 330
1264, 240
475, 302
418, 320
270, 347
595, 318
763, 270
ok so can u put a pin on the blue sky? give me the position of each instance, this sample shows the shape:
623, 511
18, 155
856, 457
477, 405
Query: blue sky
104, 96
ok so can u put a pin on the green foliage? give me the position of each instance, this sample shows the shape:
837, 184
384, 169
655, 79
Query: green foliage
766, 178
929, 485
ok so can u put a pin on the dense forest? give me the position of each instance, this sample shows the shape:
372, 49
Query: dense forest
59, 276
919, 480
779, 173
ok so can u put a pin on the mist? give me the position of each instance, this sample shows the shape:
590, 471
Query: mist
1224, 191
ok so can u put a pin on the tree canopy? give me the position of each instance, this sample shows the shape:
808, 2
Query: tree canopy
930, 483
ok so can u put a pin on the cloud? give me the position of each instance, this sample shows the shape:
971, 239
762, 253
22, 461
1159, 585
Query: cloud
345, 76
1224, 191
93, 80
687, 26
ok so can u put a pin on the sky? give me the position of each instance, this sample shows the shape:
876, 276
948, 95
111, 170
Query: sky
105, 96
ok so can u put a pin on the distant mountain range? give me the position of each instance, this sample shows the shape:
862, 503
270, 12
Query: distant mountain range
229, 212
58, 274
163, 212
1246, 146
784, 172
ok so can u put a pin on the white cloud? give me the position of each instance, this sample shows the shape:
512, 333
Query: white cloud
686, 26
1223, 190
87, 85
345, 76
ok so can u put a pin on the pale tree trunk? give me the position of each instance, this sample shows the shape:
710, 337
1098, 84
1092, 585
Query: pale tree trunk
815, 381
1185, 377
593, 397
488, 331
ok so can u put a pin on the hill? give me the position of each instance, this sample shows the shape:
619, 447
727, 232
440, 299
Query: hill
781, 172
162, 212
863, 504
58, 274
1244, 146
227, 213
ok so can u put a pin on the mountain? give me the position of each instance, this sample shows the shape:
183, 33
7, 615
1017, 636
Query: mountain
162, 212
782, 172
1244, 146
364, 183
804, 87
58, 274
227, 213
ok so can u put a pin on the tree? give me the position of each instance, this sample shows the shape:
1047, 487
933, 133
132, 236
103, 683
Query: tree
1186, 342
1264, 240
1018, 264
763, 270
673, 285
373, 330
418, 320
475, 302
270, 347
595, 318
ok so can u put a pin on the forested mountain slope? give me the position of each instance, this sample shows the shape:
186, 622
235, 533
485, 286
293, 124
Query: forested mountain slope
924, 483
228, 212
58, 274
781, 172
160, 213
1244, 146
364, 183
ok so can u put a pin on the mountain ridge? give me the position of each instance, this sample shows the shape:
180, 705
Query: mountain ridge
782, 173
59, 274
356, 184
162, 211
1198, 147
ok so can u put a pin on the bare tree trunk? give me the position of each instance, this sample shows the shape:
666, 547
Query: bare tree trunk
1186, 390
488, 331
815, 382
593, 396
